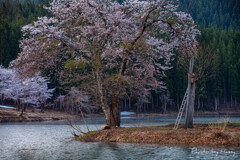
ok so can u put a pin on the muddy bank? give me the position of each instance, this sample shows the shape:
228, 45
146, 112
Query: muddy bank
213, 135
11, 115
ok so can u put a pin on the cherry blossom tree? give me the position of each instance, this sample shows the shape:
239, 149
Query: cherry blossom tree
35, 91
112, 48
77, 101
32, 91
6, 77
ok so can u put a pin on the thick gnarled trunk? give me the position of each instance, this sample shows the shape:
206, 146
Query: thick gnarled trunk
104, 107
115, 117
115, 112
112, 111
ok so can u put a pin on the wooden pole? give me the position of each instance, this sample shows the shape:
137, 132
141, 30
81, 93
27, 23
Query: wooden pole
191, 63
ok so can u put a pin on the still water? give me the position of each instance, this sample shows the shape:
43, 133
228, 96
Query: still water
53, 140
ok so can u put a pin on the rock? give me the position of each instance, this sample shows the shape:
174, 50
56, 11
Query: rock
105, 127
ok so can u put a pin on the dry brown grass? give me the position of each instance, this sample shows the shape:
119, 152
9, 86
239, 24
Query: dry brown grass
219, 126
201, 135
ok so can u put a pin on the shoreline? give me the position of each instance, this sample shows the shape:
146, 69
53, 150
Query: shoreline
196, 113
12, 115
203, 135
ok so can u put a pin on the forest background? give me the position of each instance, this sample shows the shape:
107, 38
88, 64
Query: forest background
219, 23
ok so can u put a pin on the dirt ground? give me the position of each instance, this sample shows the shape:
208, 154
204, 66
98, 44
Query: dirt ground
12, 115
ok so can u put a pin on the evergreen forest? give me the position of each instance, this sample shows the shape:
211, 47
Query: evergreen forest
219, 49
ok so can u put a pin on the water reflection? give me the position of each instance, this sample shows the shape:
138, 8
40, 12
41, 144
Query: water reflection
53, 140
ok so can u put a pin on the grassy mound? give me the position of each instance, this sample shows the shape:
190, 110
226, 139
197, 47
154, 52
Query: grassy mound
200, 135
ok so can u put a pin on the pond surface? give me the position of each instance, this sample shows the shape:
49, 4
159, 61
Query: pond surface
53, 140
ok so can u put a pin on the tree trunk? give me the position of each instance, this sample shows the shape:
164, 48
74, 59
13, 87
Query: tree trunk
18, 104
186, 123
72, 106
152, 104
191, 96
143, 109
235, 102
137, 108
43, 106
192, 102
164, 107
2, 98
111, 112
62, 104
125, 103
199, 103
178, 107
129, 103
23, 106
224, 98
115, 112
216, 103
